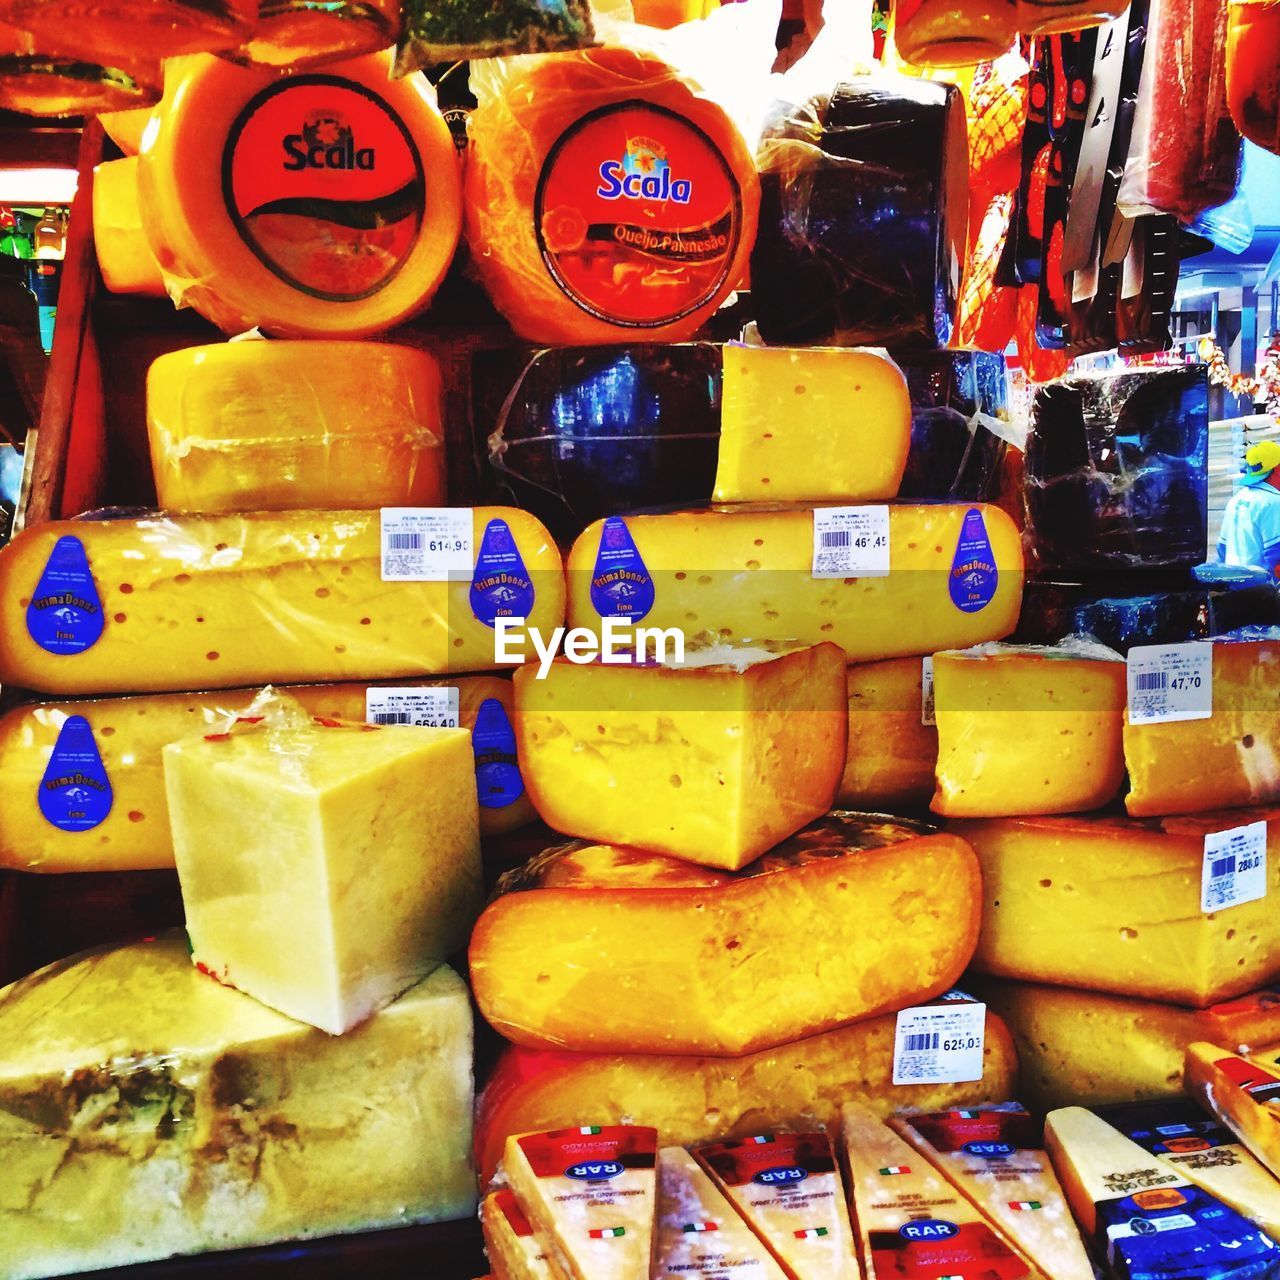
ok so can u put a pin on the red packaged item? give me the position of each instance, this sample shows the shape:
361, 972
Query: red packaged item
1253, 70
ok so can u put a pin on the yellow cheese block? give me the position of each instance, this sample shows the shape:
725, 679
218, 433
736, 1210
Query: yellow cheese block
1244, 1095
1114, 904
515, 1252
747, 575
811, 425
276, 426
714, 761
1027, 730
125, 128
325, 865
44, 828
146, 1110
135, 606
1231, 759
124, 256
892, 753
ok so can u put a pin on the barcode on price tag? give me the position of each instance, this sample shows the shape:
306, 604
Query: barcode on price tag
1170, 682
426, 544
927, 712
433, 708
939, 1044
851, 542
1235, 867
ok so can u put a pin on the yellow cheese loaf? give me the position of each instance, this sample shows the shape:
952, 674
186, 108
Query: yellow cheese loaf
1028, 730
124, 255
1115, 904
135, 606
955, 578
592, 947
811, 425
274, 426
1232, 758
715, 760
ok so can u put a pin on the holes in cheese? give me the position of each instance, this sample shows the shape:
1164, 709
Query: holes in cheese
713, 761
125, 606
605, 199
955, 578
1115, 904
324, 205
686, 960
300, 33
124, 256
272, 426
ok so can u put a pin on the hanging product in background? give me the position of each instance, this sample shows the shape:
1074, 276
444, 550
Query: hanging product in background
300, 33
1056, 17
436, 32
1253, 70
953, 33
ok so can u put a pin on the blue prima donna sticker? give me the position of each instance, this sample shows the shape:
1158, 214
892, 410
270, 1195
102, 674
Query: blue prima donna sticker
974, 576
75, 792
620, 584
500, 583
65, 614
498, 780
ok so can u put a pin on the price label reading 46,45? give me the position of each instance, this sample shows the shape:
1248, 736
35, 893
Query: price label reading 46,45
1235, 867
940, 1043
851, 542
1170, 682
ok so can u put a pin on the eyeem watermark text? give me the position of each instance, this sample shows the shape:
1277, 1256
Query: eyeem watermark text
617, 642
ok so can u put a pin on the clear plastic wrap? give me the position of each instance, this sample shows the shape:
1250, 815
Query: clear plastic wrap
436, 31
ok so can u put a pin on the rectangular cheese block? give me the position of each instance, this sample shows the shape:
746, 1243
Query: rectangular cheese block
788, 1189
591, 1193
50, 763
1242, 1093
1115, 904
146, 1110
213, 602
515, 1252
994, 1156
910, 1221
955, 578
1028, 730
700, 1235
601, 948
715, 760
325, 865
690, 1098
892, 754
811, 425
1230, 759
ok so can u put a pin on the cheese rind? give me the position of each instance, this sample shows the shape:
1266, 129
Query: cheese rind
124, 256
1114, 904
225, 601
714, 763
515, 1253
1242, 1094
146, 1110
746, 575
325, 866
811, 425
687, 961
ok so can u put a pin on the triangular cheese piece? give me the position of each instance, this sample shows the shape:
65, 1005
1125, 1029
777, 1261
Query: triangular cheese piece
911, 1221
591, 1194
995, 1157
787, 1188
515, 1252
699, 1232
1244, 1095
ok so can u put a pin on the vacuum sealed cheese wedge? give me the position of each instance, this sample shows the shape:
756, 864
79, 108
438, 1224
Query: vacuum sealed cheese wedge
515, 1252
124, 256
308, 205
1243, 1094
159, 603
689, 960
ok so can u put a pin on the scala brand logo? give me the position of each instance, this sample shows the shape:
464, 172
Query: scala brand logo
781, 1176
594, 1170
643, 173
326, 142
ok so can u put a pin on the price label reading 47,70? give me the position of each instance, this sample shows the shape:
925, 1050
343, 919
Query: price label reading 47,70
1170, 682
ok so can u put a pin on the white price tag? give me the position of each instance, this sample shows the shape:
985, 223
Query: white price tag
927, 714
433, 708
851, 542
1170, 682
939, 1044
426, 544
1235, 867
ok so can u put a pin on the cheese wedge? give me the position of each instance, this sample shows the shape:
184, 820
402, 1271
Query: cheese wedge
1244, 1095
994, 1156
1179, 1133
788, 1189
911, 1222
515, 1252
700, 1234
591, 1193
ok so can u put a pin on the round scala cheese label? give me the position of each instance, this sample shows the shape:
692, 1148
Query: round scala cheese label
638, 215
325, 185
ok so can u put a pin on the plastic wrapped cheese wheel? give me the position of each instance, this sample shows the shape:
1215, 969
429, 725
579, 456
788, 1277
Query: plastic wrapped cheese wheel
312, 205
606, 201
124, 256
300, 33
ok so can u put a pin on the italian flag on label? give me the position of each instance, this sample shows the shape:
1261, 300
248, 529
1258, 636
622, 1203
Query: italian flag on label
607, 1233
700, 1226
811, 1233
891, 1170
1025, 1205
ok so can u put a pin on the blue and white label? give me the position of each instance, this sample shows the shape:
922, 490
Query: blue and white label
426, 544
620, 584
940, 1043
974, 576
498, 780
430, 707
990, 1150
851, 542
595, 1170
781, 1176
500, 586
75, 792
65, 614
924, 1229
1170, 682
1235, 867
